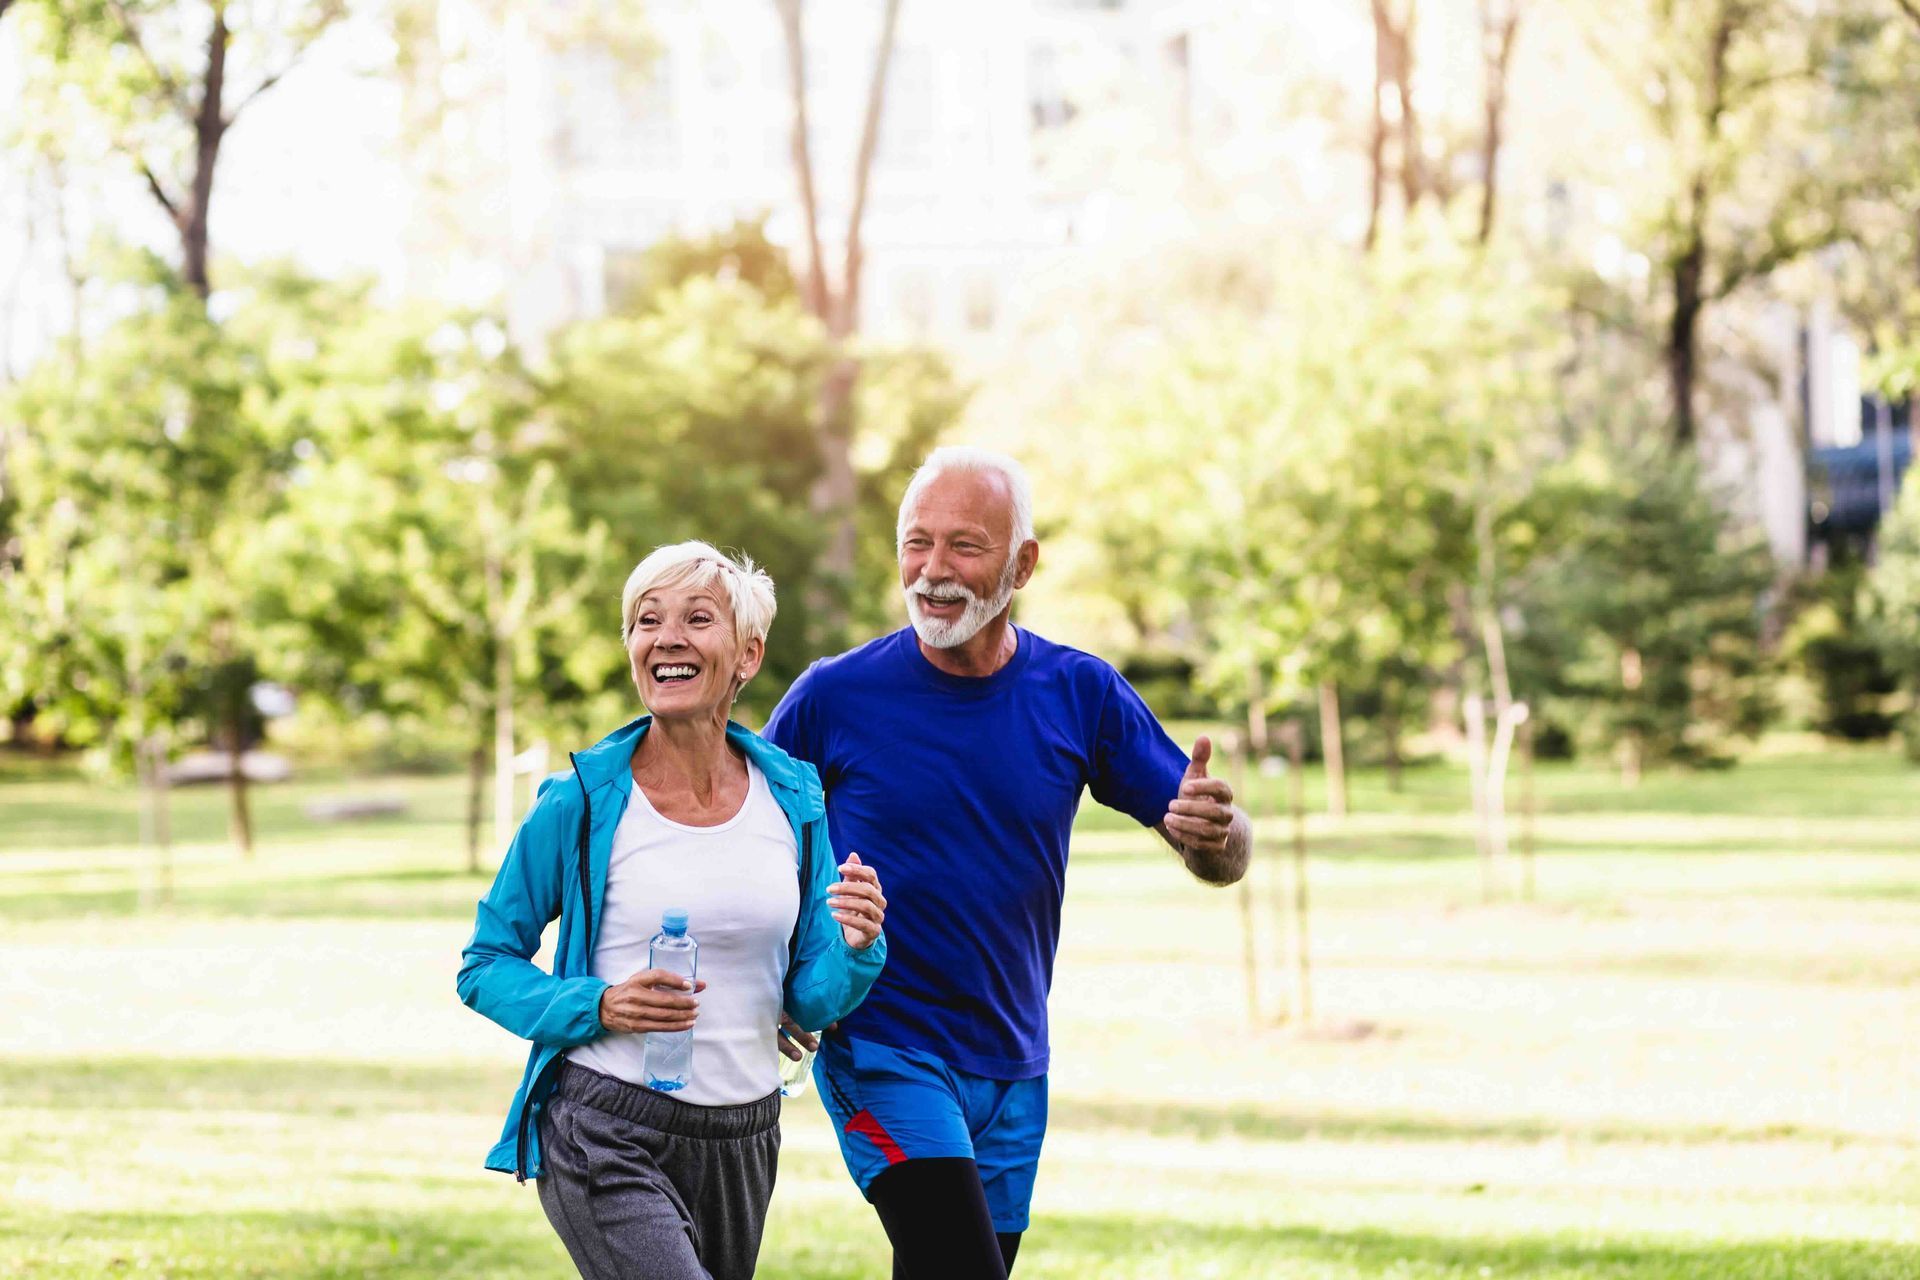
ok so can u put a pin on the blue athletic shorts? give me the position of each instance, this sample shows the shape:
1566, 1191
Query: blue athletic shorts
890, 1105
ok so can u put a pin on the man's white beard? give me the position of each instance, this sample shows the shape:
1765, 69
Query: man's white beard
938, 633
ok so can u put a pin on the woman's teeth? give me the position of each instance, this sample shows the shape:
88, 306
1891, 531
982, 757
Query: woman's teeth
674, 673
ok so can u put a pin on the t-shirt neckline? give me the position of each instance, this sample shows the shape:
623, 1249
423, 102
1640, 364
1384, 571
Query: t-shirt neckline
973, 686
756, 787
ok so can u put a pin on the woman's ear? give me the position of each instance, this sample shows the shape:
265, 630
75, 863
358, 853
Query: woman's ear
750, 660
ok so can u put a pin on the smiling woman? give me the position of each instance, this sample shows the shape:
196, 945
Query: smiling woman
681, 812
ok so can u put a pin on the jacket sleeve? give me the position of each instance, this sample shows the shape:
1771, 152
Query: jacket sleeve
828, 979
497, 975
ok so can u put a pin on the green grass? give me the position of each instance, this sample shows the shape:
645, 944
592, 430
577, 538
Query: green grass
1692, 1055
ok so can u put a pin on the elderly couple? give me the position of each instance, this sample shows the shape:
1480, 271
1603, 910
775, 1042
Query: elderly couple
951, 755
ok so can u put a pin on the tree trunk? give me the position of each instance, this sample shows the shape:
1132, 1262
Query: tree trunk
1683, 338
1390, 731
502, 741
1528, 808
156, 826
1413, 167
1496, 45
834, 496
1474, 707
1299, 965
1333, 750
239, 814
476, 787
1257, 737
1632, 749
1377, 137
1236, 749
209, 128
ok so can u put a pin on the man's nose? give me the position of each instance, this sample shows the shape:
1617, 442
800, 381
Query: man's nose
934, 569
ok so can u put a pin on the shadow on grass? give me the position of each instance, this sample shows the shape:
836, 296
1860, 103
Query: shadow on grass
517, 1242
381, 895
1132, 1243
1269, 1124
336, 1247
293, 1086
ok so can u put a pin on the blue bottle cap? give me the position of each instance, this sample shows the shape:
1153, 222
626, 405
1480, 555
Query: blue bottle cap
674, 920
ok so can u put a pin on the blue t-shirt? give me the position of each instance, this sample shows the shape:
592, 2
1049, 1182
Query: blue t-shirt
961, 793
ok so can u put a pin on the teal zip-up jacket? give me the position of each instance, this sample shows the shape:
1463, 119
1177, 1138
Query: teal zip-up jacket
557, 864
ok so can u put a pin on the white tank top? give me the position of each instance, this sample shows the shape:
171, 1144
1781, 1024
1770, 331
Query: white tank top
739, 887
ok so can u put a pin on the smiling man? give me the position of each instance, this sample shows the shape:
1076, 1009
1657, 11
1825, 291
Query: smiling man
954, 753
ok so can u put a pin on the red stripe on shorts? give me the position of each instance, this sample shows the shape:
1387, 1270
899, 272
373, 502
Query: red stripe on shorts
864, 1124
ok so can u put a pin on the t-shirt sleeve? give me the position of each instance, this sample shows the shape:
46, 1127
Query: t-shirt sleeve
794, 725
1136, 767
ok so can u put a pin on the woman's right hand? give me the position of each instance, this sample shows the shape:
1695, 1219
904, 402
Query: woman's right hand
651, 1000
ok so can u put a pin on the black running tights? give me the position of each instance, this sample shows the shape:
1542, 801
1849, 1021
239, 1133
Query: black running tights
935, 1214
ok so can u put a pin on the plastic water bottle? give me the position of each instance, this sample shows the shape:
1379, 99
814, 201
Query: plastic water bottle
794, 1075
668, 1064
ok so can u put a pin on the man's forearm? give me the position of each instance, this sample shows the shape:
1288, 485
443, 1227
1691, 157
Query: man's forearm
1223, 865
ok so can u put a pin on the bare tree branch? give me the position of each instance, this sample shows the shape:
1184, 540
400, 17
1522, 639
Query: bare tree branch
168, 84
1496, 37
1912, 9
816, 283
848, 311
159, 192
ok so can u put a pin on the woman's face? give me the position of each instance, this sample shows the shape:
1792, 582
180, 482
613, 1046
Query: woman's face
687, 663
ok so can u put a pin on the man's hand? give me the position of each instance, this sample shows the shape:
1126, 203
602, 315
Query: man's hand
651, 1000
1212, 837
1202, 813
795, 1041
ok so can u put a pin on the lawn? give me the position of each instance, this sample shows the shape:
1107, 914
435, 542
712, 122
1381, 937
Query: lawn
1695, 1054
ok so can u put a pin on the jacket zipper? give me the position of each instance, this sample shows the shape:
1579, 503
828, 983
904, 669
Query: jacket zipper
586, 928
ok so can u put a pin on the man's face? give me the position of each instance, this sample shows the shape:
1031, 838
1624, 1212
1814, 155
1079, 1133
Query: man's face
958, 565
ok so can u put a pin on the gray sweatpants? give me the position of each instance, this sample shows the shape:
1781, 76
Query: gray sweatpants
641, 1184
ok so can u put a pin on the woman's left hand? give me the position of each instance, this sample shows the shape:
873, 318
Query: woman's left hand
857, 903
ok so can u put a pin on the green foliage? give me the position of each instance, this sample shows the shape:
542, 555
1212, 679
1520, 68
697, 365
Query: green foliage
695, 419
1829, 644
422, 533
1891, 601
1652, 621
1295, 496
741, 252
137, 470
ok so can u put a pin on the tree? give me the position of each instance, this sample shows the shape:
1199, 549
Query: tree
837, 307
169, 79
139, 473
1741, 97
1652, 627
695, 418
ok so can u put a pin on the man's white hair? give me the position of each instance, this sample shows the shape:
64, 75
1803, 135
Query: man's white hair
975, 461
700, 565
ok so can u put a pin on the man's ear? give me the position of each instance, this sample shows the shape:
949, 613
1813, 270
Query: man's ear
1027, 557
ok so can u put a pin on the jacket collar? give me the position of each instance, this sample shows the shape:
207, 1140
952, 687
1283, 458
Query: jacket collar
797, 788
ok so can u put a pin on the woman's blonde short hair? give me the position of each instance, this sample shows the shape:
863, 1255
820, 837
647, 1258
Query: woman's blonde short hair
746, 586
